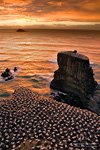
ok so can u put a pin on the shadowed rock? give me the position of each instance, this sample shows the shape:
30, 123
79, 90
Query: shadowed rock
75, 77
20, 30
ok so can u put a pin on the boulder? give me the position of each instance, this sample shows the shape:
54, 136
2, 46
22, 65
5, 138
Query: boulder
20, 30
75, 77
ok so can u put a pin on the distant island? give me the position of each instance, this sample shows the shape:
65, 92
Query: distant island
20, 30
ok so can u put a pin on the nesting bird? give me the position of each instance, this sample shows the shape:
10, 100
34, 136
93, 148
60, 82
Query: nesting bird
75, 51
35, 119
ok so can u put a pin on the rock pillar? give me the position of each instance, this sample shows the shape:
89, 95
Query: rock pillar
75, 77
74, 74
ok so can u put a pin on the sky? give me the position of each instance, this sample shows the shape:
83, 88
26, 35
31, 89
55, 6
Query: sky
81, 14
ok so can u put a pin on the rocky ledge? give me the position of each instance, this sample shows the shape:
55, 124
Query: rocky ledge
75, 78
30, 121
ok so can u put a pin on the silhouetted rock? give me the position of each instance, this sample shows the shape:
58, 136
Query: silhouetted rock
75, 77
15, 69
20, 30
7, 75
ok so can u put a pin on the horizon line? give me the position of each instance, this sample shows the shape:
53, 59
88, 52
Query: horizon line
49, 29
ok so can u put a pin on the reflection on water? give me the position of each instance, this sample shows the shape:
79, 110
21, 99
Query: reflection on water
35, 53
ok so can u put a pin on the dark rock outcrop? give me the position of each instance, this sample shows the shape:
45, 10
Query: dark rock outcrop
75, 77
20, 30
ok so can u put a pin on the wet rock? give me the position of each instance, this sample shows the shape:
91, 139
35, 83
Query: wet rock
75, 77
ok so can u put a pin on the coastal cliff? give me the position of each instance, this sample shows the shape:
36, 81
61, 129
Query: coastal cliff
75, 77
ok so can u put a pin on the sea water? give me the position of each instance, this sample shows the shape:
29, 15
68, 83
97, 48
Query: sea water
34, 52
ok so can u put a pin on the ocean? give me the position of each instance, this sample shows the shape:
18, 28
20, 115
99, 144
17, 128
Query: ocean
35, 54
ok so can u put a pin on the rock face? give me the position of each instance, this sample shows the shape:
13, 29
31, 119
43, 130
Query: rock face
74, 76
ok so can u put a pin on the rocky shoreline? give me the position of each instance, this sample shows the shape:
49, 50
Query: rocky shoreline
28, 119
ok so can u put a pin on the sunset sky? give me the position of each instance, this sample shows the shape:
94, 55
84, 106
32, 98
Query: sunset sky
50, 14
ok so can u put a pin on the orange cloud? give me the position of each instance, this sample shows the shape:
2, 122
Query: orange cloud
92, 6
45, 11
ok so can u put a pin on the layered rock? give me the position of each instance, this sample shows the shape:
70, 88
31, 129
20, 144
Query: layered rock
74, 76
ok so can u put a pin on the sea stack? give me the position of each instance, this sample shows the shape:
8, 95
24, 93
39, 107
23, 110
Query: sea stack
74, 76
